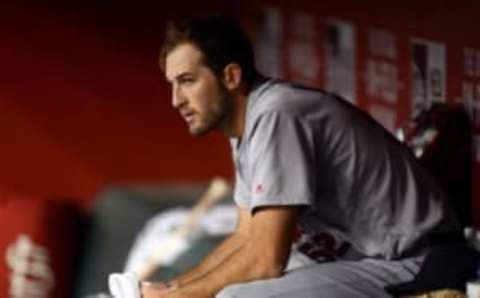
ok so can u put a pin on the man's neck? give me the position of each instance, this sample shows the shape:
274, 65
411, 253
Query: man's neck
235, 125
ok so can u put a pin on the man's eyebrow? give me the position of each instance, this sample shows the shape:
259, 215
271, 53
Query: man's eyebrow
181, 76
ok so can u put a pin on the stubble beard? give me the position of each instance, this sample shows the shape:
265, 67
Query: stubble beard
217, 117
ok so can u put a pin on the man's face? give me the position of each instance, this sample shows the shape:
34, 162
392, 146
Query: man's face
197, 93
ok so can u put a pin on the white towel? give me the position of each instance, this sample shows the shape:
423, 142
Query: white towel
124, 285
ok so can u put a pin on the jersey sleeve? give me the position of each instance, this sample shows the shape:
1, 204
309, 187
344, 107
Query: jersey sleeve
241, 192
281, 161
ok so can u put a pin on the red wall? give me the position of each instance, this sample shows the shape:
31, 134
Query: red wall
83, 103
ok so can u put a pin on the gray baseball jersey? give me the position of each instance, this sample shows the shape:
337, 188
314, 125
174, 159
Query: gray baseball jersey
310, 148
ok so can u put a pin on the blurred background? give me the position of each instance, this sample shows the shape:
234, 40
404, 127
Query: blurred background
83, 104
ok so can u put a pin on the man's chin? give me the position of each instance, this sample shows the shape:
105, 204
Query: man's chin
198, 131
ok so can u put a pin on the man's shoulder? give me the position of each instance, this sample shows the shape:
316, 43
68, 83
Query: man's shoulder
277, 88
275, 95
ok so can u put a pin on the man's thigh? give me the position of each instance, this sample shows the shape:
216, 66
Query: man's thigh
341, 279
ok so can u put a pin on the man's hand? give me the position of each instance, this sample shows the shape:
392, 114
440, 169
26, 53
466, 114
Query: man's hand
155, 289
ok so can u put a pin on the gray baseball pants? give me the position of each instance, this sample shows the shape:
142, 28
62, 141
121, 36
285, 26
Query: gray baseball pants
304, 278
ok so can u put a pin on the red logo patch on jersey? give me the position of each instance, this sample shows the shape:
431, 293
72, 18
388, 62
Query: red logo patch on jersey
259, 189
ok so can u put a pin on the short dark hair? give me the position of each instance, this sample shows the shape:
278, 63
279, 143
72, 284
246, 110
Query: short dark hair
220, 39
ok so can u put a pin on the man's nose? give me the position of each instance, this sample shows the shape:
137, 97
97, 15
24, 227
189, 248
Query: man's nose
177, 98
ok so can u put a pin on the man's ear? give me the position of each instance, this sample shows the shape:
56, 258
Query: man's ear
232, 76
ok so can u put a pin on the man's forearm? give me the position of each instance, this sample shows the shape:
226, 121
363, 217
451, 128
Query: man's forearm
261, 254
242, 266
228, 247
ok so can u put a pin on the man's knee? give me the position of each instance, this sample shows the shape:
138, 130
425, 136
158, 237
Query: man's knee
246, 290
233, 291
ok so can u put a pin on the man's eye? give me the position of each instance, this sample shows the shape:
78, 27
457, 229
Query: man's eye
187, 80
